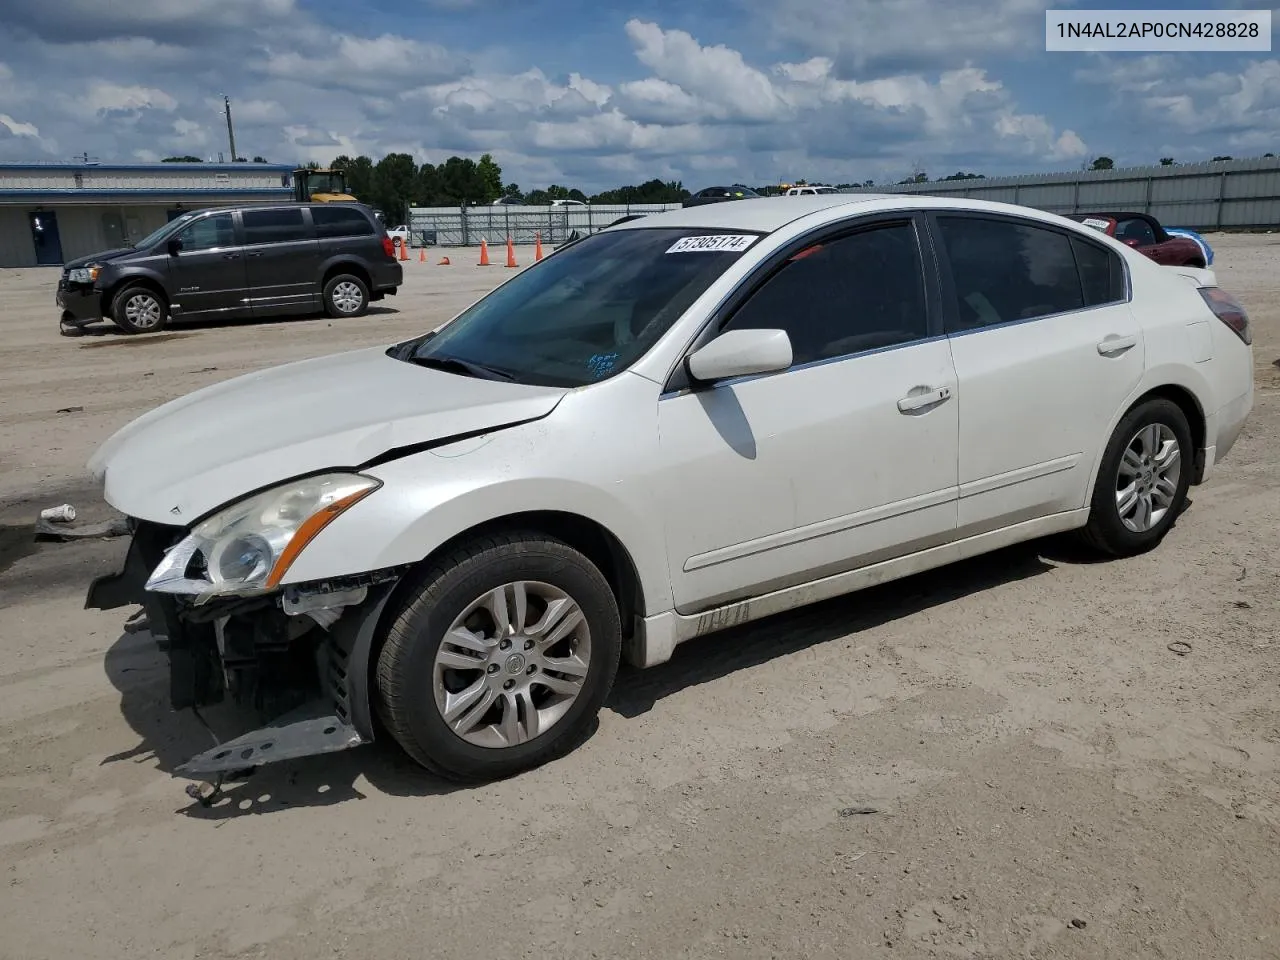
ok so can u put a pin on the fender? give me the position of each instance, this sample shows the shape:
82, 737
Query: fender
1164, 375
407, 520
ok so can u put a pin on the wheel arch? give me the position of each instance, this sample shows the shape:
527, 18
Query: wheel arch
154, 284
345, 265
1192, 408
589, 537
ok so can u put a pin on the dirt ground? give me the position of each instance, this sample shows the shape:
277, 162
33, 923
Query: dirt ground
1047, 778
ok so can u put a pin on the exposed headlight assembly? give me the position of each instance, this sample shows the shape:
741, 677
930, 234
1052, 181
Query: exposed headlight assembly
84, 274
246, 548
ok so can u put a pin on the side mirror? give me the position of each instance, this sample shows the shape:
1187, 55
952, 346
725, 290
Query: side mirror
740, 353
173, 246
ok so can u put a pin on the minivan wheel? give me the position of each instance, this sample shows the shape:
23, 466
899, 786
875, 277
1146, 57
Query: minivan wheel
501, 659
1142, 481
346, 296
139, 310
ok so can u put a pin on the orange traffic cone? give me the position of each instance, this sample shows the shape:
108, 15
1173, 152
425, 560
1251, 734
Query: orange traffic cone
511, 253
422, 254
404, 250
444, 261
537, 248
484, 253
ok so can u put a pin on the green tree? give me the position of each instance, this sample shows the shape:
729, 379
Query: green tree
1168, 162
359, 171
259, 159
491, 177
186, 159
512, 190
1216, 159
1103, 163
395, 183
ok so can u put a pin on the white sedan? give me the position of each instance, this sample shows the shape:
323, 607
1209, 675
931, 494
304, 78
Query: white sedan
675, 425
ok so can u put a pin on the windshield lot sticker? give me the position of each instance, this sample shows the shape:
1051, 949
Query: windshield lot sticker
1096, 224
713, 243
601, 364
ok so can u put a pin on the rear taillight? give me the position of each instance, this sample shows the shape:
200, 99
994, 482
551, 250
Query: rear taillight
1229, 310
389, 245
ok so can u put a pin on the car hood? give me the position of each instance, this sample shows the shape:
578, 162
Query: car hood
102, 257
189, 456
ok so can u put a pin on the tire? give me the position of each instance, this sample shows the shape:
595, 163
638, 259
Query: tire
139, 309
1107, 530
414, 691
346, 295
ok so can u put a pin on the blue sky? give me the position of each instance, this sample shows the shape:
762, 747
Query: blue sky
597, 94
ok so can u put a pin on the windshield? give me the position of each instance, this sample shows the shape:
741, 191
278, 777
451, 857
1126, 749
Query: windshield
173, 226
588, 311
325, 183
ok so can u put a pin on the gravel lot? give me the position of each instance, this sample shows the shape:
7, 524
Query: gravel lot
1048, 779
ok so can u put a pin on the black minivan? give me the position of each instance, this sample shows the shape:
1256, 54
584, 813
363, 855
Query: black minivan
236, 263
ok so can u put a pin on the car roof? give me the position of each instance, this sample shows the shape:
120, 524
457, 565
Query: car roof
769, 214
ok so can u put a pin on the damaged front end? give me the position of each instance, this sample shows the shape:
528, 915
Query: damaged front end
298, 655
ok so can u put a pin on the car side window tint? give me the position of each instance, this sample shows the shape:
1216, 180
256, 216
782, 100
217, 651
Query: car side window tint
337, 221
215, 231
1101, 273
1135, 229
273, 226
858, 292
1005, 271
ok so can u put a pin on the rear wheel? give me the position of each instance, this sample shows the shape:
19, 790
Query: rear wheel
1142, 481
139, 310
346, 295
501, 660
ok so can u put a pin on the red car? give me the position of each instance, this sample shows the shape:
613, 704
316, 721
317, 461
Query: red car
1144, 233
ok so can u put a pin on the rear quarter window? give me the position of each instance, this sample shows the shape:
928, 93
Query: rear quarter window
337, 221
1101, 273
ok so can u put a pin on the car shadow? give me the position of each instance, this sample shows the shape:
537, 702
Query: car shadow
167, 738
100, 334
716, 655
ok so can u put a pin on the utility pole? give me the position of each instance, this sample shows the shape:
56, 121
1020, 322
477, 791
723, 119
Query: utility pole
231, 135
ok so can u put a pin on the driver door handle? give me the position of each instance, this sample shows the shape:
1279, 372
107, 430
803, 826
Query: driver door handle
918, 401
231, 256
1113, 346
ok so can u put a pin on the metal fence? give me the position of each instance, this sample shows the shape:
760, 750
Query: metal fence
467, 226
1222, 195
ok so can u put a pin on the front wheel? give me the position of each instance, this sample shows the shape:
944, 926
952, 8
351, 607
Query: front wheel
346, 295
501, 660
1142, 481
139, 310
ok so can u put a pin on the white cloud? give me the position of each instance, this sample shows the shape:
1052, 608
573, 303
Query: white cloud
106, 96
17, 128
911, 34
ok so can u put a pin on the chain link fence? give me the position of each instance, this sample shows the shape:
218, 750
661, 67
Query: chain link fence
467, 226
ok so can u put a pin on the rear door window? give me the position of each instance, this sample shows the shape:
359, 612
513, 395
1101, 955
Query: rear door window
1004, 270
274, 226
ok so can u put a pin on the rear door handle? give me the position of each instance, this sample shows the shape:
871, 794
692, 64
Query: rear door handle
918, 401
1113, 345
231, 256
258, 254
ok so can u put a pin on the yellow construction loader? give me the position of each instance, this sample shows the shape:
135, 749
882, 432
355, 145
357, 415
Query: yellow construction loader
320, 186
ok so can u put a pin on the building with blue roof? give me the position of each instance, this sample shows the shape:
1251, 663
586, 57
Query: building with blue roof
53, 212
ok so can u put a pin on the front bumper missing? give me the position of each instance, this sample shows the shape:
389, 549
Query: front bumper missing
337, 720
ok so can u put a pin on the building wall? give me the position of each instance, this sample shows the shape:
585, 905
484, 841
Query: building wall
1218, 195
91, 229
16, 248
46, 177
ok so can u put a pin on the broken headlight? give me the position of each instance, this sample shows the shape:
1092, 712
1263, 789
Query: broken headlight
246, 548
